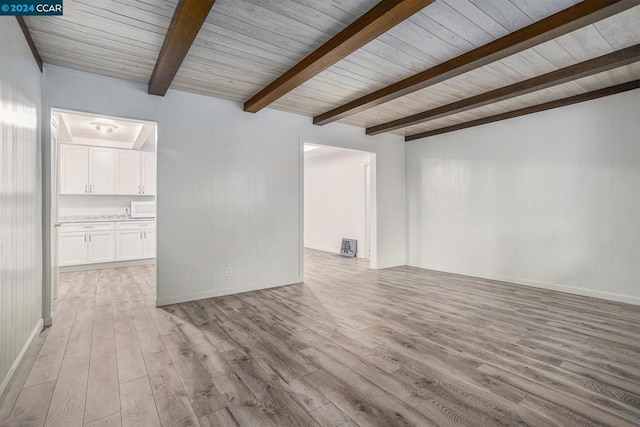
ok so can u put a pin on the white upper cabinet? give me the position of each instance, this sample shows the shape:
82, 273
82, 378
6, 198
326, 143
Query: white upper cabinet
149, 173
101, 170
135, 172
86, 170
128, 172
74, 169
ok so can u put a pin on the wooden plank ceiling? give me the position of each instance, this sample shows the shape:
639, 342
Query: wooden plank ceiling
244, 45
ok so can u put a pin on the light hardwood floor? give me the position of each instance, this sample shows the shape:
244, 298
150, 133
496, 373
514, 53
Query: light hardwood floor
350, 346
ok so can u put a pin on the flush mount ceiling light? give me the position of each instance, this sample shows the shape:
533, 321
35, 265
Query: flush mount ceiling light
104, 127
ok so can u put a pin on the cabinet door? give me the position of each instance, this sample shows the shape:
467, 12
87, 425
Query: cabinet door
72, 248
128, 244
101, 170
148, 173
128, 172
74, 169
101, 246
149, 243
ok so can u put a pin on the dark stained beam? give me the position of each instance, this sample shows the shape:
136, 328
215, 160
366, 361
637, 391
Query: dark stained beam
577, 16
582, 69
381, 18
185, 24
600, 93
32, 45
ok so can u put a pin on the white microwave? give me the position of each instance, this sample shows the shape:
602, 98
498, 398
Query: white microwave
143, 209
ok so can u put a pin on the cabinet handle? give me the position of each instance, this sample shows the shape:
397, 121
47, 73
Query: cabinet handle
145, 234
139, 189
90, 188
86, 187
85, 237
89, 237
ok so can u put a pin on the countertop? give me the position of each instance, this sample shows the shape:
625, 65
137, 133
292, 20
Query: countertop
100, 218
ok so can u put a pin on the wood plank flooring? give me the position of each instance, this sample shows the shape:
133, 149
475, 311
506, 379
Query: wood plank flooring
350, 346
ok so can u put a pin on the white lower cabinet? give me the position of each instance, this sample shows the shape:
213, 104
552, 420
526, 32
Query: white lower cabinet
128, 244
101, 247
135, 240
93, 243
72, 248
149, 243
86, 243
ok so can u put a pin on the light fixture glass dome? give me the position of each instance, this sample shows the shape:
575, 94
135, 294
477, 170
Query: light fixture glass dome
104, 127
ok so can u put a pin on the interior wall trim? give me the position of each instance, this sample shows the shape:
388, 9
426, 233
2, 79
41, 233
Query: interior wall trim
609, 296
7, 380
225, 291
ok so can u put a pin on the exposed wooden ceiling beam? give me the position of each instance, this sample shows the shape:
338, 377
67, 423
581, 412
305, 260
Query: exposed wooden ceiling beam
185, 24
381, 18
582, 69
32, 45
563, 22
612, 90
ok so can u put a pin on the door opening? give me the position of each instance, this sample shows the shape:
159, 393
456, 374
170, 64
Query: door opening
338, 202
102, 195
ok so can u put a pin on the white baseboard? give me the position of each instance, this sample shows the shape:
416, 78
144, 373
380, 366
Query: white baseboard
224, 291
47, 321
333, 251
16, 363
105, 265
609, 296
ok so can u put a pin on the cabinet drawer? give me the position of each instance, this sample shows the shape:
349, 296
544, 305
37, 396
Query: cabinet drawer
87, 226
135, 225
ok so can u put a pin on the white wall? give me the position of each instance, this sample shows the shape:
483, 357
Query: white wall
551, 199
229, 183
20, 197
334, 199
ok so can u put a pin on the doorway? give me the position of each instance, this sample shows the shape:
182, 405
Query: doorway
102, 195
338, 202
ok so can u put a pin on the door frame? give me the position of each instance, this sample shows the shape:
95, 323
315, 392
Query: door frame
53, 207
367, 211
50, 153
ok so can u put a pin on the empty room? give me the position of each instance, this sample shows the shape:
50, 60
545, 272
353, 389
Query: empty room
319, 213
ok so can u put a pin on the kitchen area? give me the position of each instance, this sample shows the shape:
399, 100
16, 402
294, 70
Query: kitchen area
105, 201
